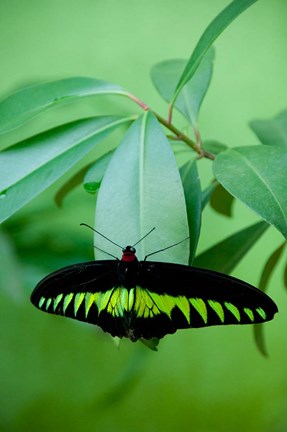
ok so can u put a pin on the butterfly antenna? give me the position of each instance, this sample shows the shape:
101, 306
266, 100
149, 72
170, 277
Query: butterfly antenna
102, 250
144, 237
168, 247
102, 235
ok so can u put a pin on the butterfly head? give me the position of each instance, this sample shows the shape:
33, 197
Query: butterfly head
129, 254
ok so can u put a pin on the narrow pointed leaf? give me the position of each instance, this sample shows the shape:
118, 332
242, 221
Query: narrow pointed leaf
263, 169
225, 255
259, 339
214, 29
152, 344
193, 197
94, 175
214, 147
142, 189
285, 276
23, 105
273, 131
270, 266
70, 185
131, 373
165, 76
221, 201
29, 167
267, 272
207, 193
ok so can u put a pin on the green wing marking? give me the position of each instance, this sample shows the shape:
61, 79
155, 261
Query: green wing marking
233, 309
261, 312
67, 300
78, 301
218, 309
249, 313
140, 303
200, 306
57, 301
146, 304
89, 300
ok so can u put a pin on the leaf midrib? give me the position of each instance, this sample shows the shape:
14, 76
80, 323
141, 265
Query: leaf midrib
260, 178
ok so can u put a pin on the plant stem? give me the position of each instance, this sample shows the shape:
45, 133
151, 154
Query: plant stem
139, 102
184, 138
178, 134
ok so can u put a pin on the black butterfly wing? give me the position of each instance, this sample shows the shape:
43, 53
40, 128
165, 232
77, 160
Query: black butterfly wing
171, 296
150, 299
83, 292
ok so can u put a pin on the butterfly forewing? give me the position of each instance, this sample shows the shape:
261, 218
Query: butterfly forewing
193, 297
75, 291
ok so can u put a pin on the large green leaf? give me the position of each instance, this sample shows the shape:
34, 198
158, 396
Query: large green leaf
165, 76
29, 167
225, 255
23, 105
142, 189
257, 176
214, 29
267, 272
273, 131
193, 197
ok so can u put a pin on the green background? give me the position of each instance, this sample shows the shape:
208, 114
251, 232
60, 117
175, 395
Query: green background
57, 374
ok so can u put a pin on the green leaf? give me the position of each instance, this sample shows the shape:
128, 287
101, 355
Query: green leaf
213, 146
165, 76
257, 176
193, 197
221, 201
131, 374
264, 280
150, 343
21, 106
94, 175
285, 276
142, 189
259, 339
70, 185
225, 255
207, 193
30, 166
272, 132
270, 267
214, 29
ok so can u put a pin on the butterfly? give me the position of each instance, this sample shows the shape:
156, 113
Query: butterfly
146, 300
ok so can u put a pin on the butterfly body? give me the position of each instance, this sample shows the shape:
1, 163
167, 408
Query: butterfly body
142, 299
